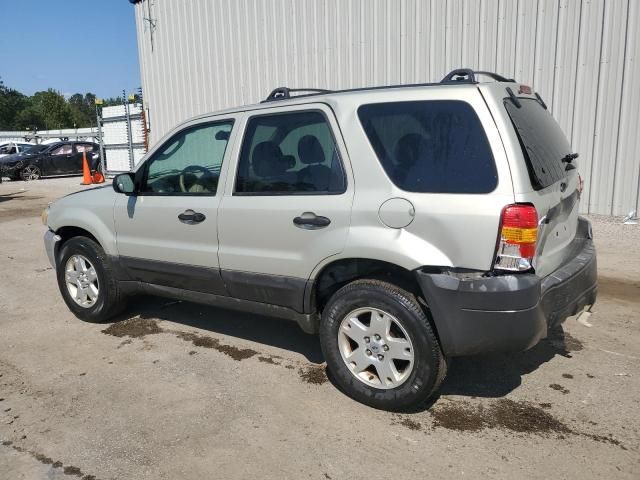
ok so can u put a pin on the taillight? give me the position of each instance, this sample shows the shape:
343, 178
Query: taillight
518, 235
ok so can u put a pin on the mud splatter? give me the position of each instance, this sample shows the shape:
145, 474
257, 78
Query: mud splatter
134, 328
567, 375
209, 342
559, 388
410, 424
505, 414
68, 469
71, 470
314, 374
572, 344
459, 416
269, 359
521, 417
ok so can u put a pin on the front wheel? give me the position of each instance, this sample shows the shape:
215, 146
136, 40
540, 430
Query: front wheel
30, 172
380, 346
86, 281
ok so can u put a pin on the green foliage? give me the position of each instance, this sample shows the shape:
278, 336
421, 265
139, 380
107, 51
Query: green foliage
48, 109
11, 102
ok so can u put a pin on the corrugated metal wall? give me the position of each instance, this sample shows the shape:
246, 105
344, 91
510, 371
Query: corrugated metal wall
580, 55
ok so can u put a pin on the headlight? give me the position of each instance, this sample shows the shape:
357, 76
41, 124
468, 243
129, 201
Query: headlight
45, 215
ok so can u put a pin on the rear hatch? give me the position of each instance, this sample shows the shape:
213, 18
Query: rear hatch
546, 167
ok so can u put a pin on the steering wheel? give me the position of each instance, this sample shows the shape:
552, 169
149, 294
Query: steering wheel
188, 179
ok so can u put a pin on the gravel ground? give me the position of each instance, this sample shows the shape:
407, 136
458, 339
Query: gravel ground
178, 390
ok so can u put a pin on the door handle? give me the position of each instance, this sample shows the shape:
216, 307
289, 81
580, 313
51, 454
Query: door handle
311, 221
190, 217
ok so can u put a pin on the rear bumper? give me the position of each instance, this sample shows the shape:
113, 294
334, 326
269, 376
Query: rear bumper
510, 312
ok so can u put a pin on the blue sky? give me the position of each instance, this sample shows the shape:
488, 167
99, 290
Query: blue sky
69, 45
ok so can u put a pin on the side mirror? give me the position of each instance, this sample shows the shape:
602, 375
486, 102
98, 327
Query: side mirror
123, 183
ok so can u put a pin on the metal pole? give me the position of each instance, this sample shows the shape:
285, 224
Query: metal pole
103, 163
129, 135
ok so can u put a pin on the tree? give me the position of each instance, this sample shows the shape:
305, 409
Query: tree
30, 118
54, 109
11, 102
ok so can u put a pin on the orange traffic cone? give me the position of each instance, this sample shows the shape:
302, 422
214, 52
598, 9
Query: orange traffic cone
98, 177
86, 174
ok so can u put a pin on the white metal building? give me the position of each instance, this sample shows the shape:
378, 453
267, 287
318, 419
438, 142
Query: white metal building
582, 56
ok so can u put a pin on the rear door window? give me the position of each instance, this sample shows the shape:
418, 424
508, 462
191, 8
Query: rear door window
289, 154
542, 141
435, 146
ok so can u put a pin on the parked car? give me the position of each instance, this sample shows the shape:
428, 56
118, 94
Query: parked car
56, 159
11, 148
405, 225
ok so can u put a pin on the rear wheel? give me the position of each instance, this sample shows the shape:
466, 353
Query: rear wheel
86, 281
30, 172
380, 346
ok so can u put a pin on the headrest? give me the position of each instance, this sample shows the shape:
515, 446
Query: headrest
310, 150
409, 149
266, 160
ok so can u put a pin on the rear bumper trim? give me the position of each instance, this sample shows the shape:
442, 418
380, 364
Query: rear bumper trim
510, 312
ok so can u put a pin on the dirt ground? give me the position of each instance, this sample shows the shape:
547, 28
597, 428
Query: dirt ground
178, 390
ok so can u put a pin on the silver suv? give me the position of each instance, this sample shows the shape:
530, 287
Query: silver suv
405, 224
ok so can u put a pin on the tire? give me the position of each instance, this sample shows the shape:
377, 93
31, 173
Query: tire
396, 307
109, 299
30, 172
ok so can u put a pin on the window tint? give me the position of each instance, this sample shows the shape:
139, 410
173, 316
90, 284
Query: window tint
190, 162
431, 146
542, 141
84, 147
289, 154
62, 150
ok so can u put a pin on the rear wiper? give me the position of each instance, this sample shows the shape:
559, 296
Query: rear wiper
569, 157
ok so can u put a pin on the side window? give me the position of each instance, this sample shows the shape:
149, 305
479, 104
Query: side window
83, 147
62, 150
189, 163
289, 153
436, 146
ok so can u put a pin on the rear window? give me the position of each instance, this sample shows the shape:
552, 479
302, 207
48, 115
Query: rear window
436, 146
542, 141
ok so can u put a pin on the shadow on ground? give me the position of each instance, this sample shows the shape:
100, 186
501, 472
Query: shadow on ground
499, 374
480, 376
274, 332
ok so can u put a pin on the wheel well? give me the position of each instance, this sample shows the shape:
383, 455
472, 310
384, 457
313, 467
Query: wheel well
67, 233
337, 274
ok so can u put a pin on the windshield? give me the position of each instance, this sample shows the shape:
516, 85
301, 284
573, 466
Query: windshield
542, 141
37, 148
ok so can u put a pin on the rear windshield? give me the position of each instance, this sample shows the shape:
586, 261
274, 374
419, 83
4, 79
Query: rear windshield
436, 146
542, 141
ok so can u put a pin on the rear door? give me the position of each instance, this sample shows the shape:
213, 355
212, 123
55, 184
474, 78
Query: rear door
80, 149
287, 207
553, 177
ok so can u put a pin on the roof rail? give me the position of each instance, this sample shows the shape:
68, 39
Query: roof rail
466, 75
283, 93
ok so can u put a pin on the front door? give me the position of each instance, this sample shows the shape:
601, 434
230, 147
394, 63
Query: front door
287, 208
167, 233
59, 160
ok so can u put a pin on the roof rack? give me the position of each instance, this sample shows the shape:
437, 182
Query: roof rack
283, 93
466, 75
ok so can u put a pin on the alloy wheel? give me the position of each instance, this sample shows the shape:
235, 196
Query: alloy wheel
81, 279
376, 348
30, 172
